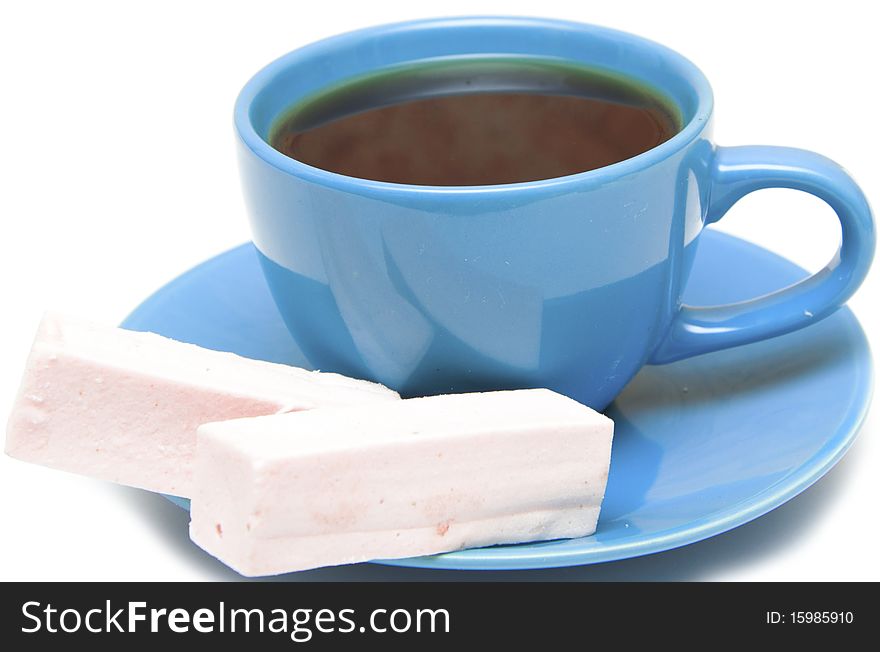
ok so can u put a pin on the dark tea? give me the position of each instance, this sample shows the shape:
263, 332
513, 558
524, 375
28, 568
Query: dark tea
476, 121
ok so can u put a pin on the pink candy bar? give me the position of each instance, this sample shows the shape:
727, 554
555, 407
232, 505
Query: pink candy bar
415, 477
124, 406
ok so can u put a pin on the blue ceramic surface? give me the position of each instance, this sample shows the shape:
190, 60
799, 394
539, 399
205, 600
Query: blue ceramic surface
571, 283
701, 445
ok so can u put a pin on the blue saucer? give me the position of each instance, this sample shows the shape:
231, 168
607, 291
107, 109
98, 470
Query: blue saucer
701, 446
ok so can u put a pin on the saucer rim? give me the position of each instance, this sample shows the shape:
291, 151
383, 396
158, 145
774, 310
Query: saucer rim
509, 557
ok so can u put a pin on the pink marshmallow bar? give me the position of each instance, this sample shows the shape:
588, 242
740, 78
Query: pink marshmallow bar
124, 406
399, 479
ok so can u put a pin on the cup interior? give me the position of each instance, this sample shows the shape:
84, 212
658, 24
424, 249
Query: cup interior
304, 72
301, 74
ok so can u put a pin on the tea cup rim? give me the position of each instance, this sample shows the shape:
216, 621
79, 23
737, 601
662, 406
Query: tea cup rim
692, 128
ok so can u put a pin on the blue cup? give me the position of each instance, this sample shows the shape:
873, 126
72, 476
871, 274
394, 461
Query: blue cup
572, 283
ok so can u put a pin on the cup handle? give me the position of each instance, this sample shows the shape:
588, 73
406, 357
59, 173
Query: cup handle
737, 171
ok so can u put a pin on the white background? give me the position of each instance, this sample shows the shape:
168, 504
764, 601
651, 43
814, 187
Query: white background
117, 174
